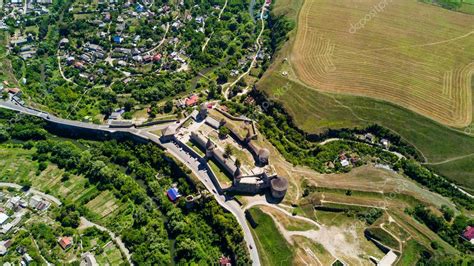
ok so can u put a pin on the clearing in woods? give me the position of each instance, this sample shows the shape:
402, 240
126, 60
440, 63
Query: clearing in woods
418, 56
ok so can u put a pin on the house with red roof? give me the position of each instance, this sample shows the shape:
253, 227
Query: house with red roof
468, 234
14, 90
156, 57
192, 100
225, 261
65, 242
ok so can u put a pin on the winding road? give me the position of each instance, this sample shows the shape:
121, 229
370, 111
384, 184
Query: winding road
254, 60
86, 224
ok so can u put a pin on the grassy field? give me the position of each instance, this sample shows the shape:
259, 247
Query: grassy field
369, 183
316, 111
287, 222
384, 237
272, 246
110, 256
311, 253
221, 175
415, 55
411, 253
461, 171
403, 225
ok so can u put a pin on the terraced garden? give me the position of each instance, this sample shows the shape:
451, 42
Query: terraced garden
16, 166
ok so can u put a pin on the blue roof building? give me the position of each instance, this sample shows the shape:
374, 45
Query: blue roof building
139, 8
117, 39
173, 194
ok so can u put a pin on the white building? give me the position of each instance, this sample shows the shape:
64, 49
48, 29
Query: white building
3, 217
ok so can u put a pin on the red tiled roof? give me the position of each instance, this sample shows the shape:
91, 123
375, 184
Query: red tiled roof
469, 233
224, 261
14, 90
157, 57
192, 100
65, 242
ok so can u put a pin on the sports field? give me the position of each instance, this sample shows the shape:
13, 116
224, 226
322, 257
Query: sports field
415, 55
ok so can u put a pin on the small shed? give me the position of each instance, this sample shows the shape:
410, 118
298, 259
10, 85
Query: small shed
173, 194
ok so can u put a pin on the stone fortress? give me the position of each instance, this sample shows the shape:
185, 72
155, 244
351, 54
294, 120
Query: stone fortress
260, 179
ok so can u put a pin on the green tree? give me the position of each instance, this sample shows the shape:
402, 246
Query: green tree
168, 106
223, 132
228, 151
448, 213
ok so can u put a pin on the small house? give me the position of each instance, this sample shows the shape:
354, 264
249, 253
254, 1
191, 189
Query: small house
225, 261
4, 245
3, 217
156, 57
345, 163
173, 194
115, 115
27, 259
117, 39
65, 242
139, 8
191, 101
468, 234
369, 137
14, 90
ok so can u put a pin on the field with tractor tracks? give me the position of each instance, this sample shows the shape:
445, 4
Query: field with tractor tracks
415, 55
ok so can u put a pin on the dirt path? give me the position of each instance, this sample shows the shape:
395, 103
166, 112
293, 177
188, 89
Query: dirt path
212, 33
86, 224
450, 159
331, 238
265, 203
254, 60
394, 236
61, 70
161, 42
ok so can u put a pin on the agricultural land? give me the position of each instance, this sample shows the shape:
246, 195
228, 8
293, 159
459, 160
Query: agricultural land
402, 53
315, 109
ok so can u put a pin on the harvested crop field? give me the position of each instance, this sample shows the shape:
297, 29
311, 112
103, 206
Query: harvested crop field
412, 54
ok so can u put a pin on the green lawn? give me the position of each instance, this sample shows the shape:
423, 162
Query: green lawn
195, 148
221, 175
272, 246
411, 253
460, 171
383, 237
315, 112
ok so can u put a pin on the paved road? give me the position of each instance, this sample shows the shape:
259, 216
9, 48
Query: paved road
200, 171
191, 162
